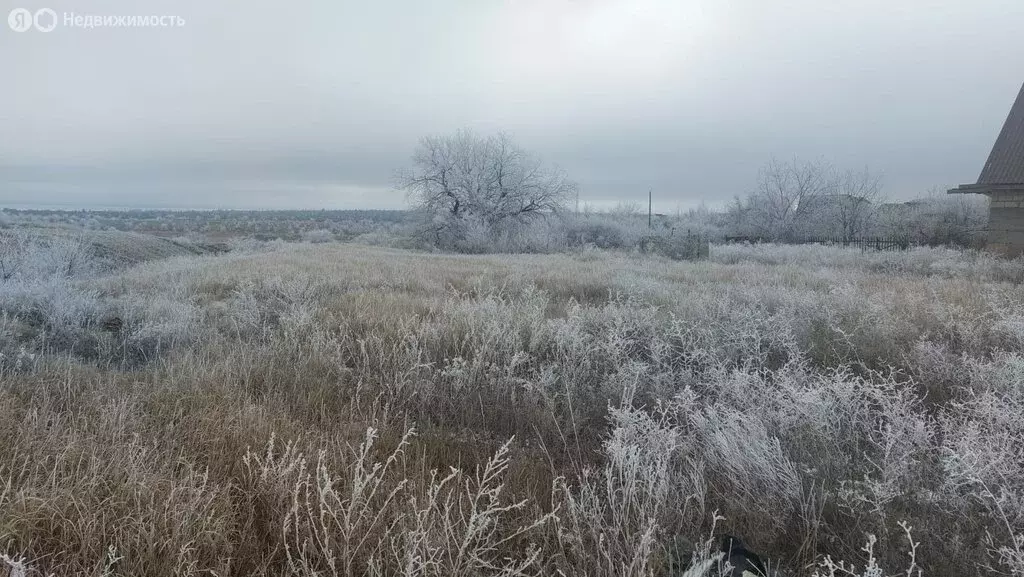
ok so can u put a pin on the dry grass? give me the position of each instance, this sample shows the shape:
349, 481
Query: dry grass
345, 410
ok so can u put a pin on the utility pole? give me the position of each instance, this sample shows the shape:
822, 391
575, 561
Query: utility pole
650, 206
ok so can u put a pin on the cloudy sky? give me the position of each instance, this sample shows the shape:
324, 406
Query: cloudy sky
315, 104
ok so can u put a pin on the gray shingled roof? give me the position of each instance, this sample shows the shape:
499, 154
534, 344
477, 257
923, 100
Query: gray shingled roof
1005, 163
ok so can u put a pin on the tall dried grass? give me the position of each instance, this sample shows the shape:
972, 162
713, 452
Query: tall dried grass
253, 414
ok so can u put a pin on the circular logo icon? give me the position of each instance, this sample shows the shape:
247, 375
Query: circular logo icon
21, 19
45, 20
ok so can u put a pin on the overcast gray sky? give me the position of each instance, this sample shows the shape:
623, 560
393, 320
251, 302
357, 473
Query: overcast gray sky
316, 103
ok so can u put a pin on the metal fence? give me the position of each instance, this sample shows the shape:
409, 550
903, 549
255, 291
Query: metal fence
870, 243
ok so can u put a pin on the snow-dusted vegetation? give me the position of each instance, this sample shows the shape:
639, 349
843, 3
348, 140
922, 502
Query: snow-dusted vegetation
325, 409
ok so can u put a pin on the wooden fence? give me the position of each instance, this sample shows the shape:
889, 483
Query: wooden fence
872, 243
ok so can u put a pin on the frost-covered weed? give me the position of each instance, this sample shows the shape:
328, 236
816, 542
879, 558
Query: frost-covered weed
615, 518
812, 395
256, 307
374, 520
924, 261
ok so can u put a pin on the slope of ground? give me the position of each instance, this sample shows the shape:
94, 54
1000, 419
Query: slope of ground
114, 248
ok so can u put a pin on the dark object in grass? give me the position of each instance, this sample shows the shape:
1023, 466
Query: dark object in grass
744, 562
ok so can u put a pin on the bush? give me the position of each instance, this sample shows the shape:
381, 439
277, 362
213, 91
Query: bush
688, 247
598, 234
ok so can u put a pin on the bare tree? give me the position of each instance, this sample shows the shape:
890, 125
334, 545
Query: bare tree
795, 199
465, 181
787, 195
858, 196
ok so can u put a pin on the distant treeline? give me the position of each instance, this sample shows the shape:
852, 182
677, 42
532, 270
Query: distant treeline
320, 225
152, 213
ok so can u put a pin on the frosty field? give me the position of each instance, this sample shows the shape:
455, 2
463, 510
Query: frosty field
347, 410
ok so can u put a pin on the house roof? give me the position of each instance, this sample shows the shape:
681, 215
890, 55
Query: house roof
1005, 164
1006, 161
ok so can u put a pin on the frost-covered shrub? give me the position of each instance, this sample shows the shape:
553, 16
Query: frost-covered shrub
27, 256
676, 247
251, 245
601, 234
56, 314
142, 327
255, 307
318, 235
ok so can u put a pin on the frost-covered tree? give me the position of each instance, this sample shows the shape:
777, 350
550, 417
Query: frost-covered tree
787, 195
467, 184
858, 196
937, 218
796, 199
